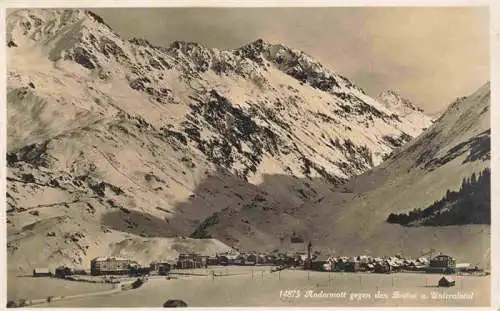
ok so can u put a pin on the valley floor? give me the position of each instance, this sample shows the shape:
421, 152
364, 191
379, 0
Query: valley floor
30, 288
245, 286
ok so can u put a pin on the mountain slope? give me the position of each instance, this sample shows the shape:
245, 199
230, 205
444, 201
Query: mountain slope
454, 148
352, 219
469, 205
115, 136
250, 79
403, 108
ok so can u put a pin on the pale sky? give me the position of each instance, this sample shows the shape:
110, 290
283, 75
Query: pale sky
429, 55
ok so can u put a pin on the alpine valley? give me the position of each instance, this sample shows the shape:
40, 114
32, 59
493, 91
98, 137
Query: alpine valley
119, 147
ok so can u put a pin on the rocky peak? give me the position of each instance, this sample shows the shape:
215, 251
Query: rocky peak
297, 64
191, 50
97, 18
186, 46
395, 101
43, 24
141, 42
84, 37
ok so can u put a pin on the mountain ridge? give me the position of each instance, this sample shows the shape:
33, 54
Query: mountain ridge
351, 219
120, 137
326, 81
394, 98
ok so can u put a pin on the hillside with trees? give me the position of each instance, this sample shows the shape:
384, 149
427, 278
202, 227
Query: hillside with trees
469, 205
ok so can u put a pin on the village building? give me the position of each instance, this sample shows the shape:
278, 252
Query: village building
415, 265
138, 270
463, 266
41, 272
339, 265
395, 264
155, 265
239, 260
189, 261
261, 259
227, 258
270, 259
442, 264
160, 267
423, 261
321, 263
352, 265
443, 261
110, 265
446, 281
164, 270
62, 272
212, 261
204, 261
251, 259
79, 271
382, 267
284, 260
223, 260
301, 256
175, 303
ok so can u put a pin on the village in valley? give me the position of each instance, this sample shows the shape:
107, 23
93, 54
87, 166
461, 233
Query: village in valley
127, 274
247, 167
107, 267
433, 273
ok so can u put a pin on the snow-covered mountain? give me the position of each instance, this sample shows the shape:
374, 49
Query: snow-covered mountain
404, 108
395, 102
110, 140
352, 218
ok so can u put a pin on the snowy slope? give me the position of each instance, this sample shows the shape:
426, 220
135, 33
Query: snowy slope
115, 134
405, 109
451, 150
351, 220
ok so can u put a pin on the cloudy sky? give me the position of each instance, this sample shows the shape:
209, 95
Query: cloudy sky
430, 55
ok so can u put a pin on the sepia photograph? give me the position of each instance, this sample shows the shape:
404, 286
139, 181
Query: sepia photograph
190, 156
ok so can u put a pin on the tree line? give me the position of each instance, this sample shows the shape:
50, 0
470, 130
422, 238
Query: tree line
469, 205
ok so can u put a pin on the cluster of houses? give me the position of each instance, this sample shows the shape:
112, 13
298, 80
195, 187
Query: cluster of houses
441, 264
377, 264
103, 266
193, 261
106, 266
252, 258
